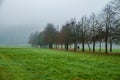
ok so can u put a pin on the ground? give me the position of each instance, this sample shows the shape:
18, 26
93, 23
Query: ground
47, 64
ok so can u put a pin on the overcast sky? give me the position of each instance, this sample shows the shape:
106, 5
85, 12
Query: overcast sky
18, 18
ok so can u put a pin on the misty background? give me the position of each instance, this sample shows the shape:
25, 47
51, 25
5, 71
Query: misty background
19, 18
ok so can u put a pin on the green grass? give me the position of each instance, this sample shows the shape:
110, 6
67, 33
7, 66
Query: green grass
46, 64
114, 50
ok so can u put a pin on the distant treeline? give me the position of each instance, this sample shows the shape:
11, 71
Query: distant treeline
102, 27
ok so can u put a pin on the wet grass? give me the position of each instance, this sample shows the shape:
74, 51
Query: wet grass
46, 64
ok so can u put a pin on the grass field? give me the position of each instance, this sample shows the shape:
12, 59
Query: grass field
46, 64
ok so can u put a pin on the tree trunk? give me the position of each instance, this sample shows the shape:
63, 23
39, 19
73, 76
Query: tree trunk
106, 39
89, 47
83, 42
106, 47
66, 46
61, 46
50, 45
100, 46
110, 40
93, 45
110, 45
75, 46
83, 49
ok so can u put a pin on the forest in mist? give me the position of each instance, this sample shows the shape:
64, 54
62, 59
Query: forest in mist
96, 28
19, 18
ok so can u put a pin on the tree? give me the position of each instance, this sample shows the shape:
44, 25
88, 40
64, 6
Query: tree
100, 32
57, 39
116, 7
50, 35
78, 33
33, 39
116, 30
88, 36
93, 25
109, 18
40, 40
66, 34
83, 28
74, 32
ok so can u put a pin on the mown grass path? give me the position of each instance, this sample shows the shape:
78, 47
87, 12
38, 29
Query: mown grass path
46, 64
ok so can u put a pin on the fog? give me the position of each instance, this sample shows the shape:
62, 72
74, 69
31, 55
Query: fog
18, 18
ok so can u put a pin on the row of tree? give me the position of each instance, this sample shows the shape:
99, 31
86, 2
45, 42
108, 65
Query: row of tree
103, 27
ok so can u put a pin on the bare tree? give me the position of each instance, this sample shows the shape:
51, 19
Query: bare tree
93, 24
83, 28
74, 32
88, 34
109, 24
66, 35
116, 7
100, 32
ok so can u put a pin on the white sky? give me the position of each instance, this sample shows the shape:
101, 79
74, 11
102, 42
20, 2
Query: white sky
41, 12
33, 15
